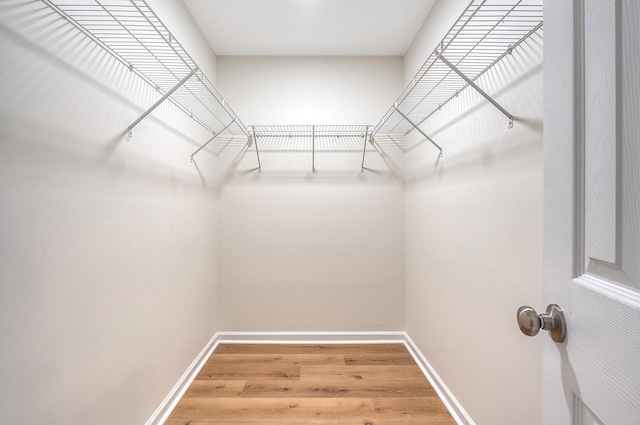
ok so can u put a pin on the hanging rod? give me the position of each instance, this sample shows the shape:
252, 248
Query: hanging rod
133, 34
486, 32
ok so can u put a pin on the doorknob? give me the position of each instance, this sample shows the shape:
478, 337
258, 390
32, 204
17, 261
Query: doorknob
530, 322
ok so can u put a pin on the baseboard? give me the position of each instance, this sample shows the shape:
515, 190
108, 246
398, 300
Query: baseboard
171, 400
383, 337
453, 405
374, 337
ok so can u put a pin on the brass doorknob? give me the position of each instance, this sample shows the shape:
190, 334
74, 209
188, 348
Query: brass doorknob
530, 322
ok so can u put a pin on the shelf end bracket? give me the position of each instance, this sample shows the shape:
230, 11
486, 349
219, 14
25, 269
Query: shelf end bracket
211, 139
253, 139
419, 129
162, 99
477, 88
368, 137
313, 149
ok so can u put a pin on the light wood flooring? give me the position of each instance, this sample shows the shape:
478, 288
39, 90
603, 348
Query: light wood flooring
310, 384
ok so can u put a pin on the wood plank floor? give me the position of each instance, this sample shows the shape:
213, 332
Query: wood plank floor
310, 384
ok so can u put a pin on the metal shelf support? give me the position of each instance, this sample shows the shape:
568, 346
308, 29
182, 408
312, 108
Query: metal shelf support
162, 99
313, 149
419, 129
367, 138
477, 88
252, 140
211, 139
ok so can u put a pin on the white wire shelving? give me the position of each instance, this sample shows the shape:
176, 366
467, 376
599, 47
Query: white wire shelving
312, 139
132, 33
486, 32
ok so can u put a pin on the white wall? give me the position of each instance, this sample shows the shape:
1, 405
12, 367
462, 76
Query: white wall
474, 236
310, 90
311, 251
118, 262
107, 247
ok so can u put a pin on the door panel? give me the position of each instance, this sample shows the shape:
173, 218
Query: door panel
600, 129
603, 349
630, 146
599, 367
604, 302
611, 177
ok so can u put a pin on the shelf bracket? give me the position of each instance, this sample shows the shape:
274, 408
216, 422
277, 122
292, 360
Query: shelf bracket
364, 149
478, 89
313, 149
419, 129
162, 99
255, 140
211, 139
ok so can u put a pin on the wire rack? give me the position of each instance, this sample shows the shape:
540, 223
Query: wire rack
312, 139
486, 32
309, 131
131, 32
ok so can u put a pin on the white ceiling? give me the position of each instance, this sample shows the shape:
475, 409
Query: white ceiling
310, 27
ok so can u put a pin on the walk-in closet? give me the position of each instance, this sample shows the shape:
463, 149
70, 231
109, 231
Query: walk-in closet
293, 211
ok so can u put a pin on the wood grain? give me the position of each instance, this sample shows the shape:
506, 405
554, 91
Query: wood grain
603, 304
367, 384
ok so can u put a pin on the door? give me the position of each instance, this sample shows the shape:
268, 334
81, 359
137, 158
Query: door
592, 210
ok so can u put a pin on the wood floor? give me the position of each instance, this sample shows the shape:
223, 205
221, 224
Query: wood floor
310, 384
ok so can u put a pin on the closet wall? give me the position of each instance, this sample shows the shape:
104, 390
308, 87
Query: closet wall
107, 246
120, 259
474, 234
311, 251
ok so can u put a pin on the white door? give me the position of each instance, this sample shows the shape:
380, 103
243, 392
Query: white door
592, 210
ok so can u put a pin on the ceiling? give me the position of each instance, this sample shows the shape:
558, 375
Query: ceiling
310, 27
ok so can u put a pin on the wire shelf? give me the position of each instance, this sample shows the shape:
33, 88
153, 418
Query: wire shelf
131, 32
486, 32
309, 131
312, 139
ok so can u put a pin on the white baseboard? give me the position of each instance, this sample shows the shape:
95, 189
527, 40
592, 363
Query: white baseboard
384, 337
312, 337
171, 400
452, 404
